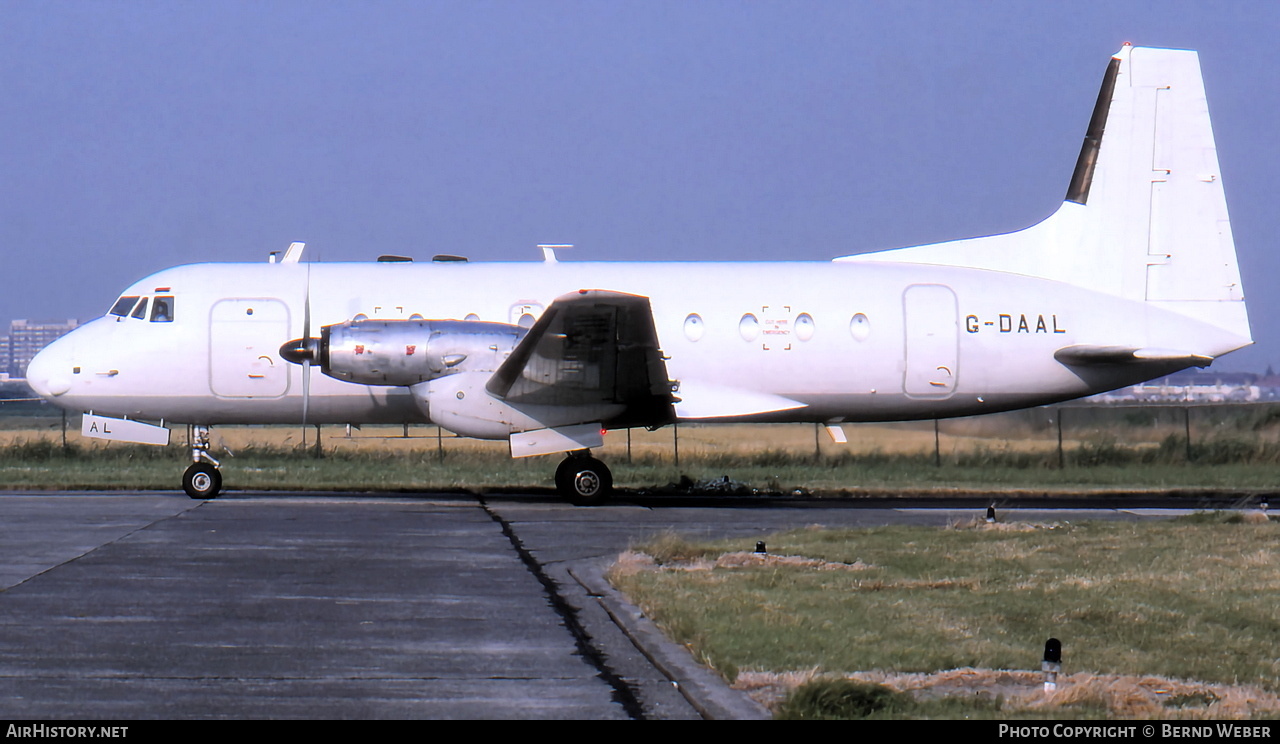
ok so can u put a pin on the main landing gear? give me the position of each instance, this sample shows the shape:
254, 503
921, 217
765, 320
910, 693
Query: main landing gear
202, 480
583, 479
580, 478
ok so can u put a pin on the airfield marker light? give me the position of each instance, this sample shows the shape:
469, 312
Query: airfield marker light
760, 547
1052, 664
991, 514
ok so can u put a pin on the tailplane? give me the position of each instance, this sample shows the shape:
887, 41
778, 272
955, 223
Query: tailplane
1145, 216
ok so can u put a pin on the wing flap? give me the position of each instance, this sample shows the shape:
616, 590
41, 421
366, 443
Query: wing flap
560, 439
709, 401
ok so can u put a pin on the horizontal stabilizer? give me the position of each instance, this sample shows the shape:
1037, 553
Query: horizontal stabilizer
702, 401
1083, 355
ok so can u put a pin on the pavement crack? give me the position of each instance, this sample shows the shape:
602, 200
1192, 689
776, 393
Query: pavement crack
622, 692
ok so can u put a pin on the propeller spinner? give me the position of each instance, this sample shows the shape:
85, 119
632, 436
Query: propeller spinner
301, 350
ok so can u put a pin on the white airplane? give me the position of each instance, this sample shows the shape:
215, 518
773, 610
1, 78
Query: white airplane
1133, 277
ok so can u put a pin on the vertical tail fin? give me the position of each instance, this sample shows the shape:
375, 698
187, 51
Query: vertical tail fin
1145, 217
1157, 187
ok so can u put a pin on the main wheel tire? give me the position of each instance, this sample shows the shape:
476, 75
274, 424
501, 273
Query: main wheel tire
202, 481
584, 480
564, 476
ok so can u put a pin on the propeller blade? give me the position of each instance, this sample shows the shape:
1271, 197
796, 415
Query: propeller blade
306, 395
310, 352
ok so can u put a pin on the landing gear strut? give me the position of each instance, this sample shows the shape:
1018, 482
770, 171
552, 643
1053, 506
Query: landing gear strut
583, 479
202, 480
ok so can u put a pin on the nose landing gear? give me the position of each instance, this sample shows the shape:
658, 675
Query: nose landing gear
202, 480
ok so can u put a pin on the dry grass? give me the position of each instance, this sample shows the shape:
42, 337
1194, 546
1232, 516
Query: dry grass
694, 440
1002, 455
759, 560
1022, 692
631, 562
1028, 431
1256, 517
976, 523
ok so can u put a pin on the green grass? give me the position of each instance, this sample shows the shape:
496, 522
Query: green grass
1185, 599
841, 699
45, 463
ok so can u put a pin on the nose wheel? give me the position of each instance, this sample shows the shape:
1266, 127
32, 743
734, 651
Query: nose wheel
202, 480
584, 480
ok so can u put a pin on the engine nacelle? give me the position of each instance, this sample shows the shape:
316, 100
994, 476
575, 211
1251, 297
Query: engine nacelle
406, 352
461, 404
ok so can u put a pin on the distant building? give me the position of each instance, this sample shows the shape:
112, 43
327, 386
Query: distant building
1194, 386
26, 338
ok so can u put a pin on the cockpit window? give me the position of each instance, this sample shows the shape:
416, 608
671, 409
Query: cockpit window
123, 306
141, 310
162, 310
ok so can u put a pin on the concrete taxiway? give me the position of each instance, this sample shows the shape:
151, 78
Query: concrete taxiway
118, 606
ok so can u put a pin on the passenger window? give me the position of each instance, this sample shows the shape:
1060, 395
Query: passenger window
123, 306
162, 310
140, 311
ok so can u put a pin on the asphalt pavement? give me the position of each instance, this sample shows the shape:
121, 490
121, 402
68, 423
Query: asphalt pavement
360, 606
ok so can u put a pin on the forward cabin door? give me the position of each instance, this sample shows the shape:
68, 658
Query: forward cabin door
245, 336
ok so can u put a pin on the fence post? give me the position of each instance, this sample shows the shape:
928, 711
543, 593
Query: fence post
1062, 463
1186, 427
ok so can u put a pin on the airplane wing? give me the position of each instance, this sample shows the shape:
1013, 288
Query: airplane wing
1084, 355
591, 347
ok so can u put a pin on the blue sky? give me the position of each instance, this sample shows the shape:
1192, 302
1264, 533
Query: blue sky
140, 135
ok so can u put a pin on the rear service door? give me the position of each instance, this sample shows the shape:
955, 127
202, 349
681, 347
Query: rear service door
932, 340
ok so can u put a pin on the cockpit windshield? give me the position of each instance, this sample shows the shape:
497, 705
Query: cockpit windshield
123, 306
134, 306
162, 310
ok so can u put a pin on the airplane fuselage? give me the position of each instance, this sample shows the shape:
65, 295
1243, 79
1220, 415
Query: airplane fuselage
839, 342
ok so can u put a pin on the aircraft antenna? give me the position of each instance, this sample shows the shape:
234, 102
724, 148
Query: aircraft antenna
549, 252
294, 254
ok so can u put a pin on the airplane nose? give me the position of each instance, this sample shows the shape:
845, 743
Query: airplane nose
47, 374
